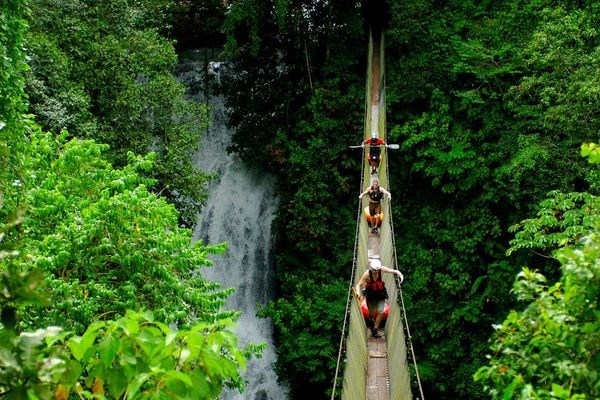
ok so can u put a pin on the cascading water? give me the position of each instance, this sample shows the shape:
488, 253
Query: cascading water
240, 209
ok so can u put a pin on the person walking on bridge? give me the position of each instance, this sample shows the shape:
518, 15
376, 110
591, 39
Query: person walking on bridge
374, 154
375, 193
372, 286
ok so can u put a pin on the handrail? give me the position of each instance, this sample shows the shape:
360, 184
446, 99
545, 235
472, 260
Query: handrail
348, 303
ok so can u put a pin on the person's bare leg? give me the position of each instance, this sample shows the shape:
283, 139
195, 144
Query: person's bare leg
372, 218
378, 320
376, 221
373, 330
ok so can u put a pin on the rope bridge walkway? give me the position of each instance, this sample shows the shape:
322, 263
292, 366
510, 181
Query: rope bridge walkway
375, 368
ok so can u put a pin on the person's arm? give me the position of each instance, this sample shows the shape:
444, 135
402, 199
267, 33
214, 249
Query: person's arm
359, 285
388, 194
363, 193
393, 271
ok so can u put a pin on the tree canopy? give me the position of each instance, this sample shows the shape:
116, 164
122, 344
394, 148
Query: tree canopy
103, 70
550, 349
489, 101
82, 245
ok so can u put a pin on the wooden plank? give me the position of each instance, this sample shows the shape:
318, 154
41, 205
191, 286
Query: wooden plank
373, 250
377, 349
377, 374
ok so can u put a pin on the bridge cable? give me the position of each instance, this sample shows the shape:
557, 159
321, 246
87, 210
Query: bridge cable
350, 295
412, 350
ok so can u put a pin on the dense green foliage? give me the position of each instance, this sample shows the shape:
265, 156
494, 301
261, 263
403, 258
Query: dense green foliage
296, 116
490, 102
102, 244
102, 70
12, 107
551, 349
133, 357
105, 246
106, 243
486, 142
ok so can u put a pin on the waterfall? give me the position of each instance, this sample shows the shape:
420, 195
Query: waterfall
240, 209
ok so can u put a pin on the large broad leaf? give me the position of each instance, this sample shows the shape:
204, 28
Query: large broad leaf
82, 346
116, 381
177, 376
135, 384
108, 348
73, 372
592, 152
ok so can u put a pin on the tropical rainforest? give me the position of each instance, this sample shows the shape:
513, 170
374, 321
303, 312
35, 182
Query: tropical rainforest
495, 106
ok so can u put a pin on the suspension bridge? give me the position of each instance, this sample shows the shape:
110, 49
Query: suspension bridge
376, 368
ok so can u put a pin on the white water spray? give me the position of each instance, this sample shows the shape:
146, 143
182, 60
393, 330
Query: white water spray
240, 210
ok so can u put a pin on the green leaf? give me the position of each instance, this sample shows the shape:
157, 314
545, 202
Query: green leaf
108, 348
507, 394
117, 381
134, 385
82, 346
177, 376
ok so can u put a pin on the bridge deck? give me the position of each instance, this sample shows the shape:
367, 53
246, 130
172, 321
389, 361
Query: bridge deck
377, 366
377, 378
377, 372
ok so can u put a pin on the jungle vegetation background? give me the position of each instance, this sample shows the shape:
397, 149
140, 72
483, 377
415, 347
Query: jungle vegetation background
495, 210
